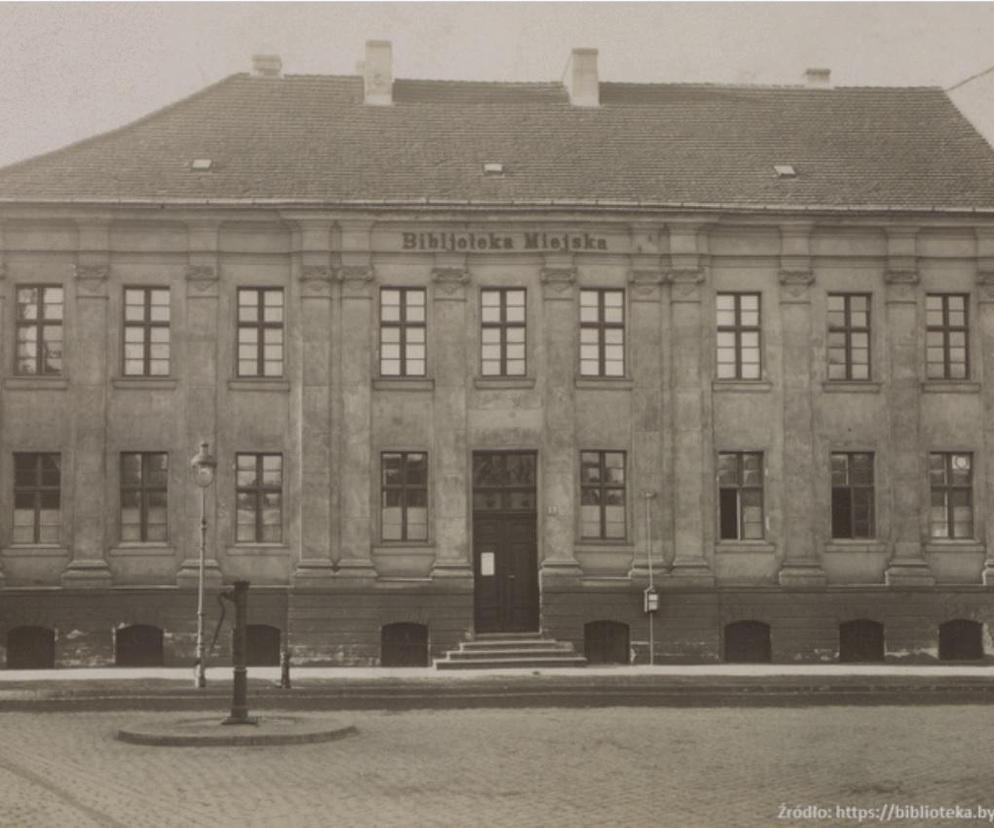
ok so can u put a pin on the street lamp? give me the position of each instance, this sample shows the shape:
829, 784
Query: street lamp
203, 468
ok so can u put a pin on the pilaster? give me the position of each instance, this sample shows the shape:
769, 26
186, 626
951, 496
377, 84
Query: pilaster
559, 319
907, 565
646, 466
356, 353
312, 414
200, 395
450, 449
985, 303
89, 380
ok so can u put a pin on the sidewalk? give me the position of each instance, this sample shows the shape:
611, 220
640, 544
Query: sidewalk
323, 688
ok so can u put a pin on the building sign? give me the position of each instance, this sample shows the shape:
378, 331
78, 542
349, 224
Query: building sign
538, 241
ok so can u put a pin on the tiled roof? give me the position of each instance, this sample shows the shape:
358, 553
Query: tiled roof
311, 138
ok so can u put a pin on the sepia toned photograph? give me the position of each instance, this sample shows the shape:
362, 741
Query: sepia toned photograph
496, 414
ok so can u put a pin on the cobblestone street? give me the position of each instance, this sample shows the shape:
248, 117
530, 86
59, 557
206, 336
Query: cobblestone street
543, 767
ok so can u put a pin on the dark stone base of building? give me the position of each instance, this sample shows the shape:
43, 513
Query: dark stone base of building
409, 625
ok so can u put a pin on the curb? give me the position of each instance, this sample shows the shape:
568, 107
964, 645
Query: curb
209, 731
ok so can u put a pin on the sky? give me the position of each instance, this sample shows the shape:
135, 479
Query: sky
77, 69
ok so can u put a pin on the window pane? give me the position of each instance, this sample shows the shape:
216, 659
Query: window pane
728, 514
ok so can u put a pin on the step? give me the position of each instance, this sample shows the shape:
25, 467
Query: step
502, 635
512, 652
530, 644
502, 663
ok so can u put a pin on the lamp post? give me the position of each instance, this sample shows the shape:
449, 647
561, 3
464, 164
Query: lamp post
651, 598
203, 468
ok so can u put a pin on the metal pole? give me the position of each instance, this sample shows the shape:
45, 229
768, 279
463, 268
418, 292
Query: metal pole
648, 547
201, 680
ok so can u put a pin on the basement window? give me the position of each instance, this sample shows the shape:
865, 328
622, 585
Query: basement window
785, 170
201, 164
493, 169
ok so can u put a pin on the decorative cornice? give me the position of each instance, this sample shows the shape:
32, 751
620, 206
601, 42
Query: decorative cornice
901, 277
685, 275
800, 278
450, 282
557, 282
92, 273
645, 283
362, 274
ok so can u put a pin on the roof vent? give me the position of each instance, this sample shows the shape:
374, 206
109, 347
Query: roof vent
493, 169
785, 170
818, 78
378, 73
201, 164
267, 66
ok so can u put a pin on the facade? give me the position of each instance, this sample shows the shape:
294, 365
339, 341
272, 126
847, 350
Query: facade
487, 358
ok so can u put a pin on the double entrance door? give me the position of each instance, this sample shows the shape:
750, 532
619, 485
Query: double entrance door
505, 548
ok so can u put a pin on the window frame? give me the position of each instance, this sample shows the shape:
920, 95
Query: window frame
260, 326
404, 487
737, 329
502, 326
146, 325
258, 492
38, 324
847, 329
602, 486
851, 488
946, 330
601, 326
403, 326
948, 488
37, 489
144, 490
739, 488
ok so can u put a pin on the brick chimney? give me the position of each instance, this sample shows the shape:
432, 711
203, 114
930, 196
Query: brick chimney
378, 73
818, 78
582, 81
267, 66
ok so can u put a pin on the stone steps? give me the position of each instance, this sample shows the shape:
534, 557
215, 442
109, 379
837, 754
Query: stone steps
520, 650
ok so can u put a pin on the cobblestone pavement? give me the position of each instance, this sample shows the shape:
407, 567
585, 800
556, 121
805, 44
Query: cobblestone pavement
534, 767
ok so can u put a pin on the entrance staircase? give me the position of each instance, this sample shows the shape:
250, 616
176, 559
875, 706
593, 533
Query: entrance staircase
495, 651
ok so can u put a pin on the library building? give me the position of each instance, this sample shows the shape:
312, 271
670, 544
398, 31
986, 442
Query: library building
502, 374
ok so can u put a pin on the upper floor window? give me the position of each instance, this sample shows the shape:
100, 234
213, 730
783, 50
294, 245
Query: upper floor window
502, 334
259, 498
738, 336
39, 330
602, 494
950, 478
37, 497
740, 495
260, 332
848, 336
852, 495
404, 503
402, 332
144, 484
602, 333
146, 332
947, 349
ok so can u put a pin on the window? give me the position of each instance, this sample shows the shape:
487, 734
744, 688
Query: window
502, 335
260, 332
740, 495
852, 495
848, 336
950, 477
259, 498
39, 330
602, 333
402, 332
602, 494
404, 504
947, 353
144, 482
37, 498
146, 332
738, 336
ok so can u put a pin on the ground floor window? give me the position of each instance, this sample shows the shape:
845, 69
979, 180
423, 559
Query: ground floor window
961, 640
404, 645
606, 642
747, 642
139, 645
30, 648
262, 646
861, 641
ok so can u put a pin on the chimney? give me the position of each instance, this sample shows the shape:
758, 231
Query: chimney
378, 73
267, 66
582, 82
818, 78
